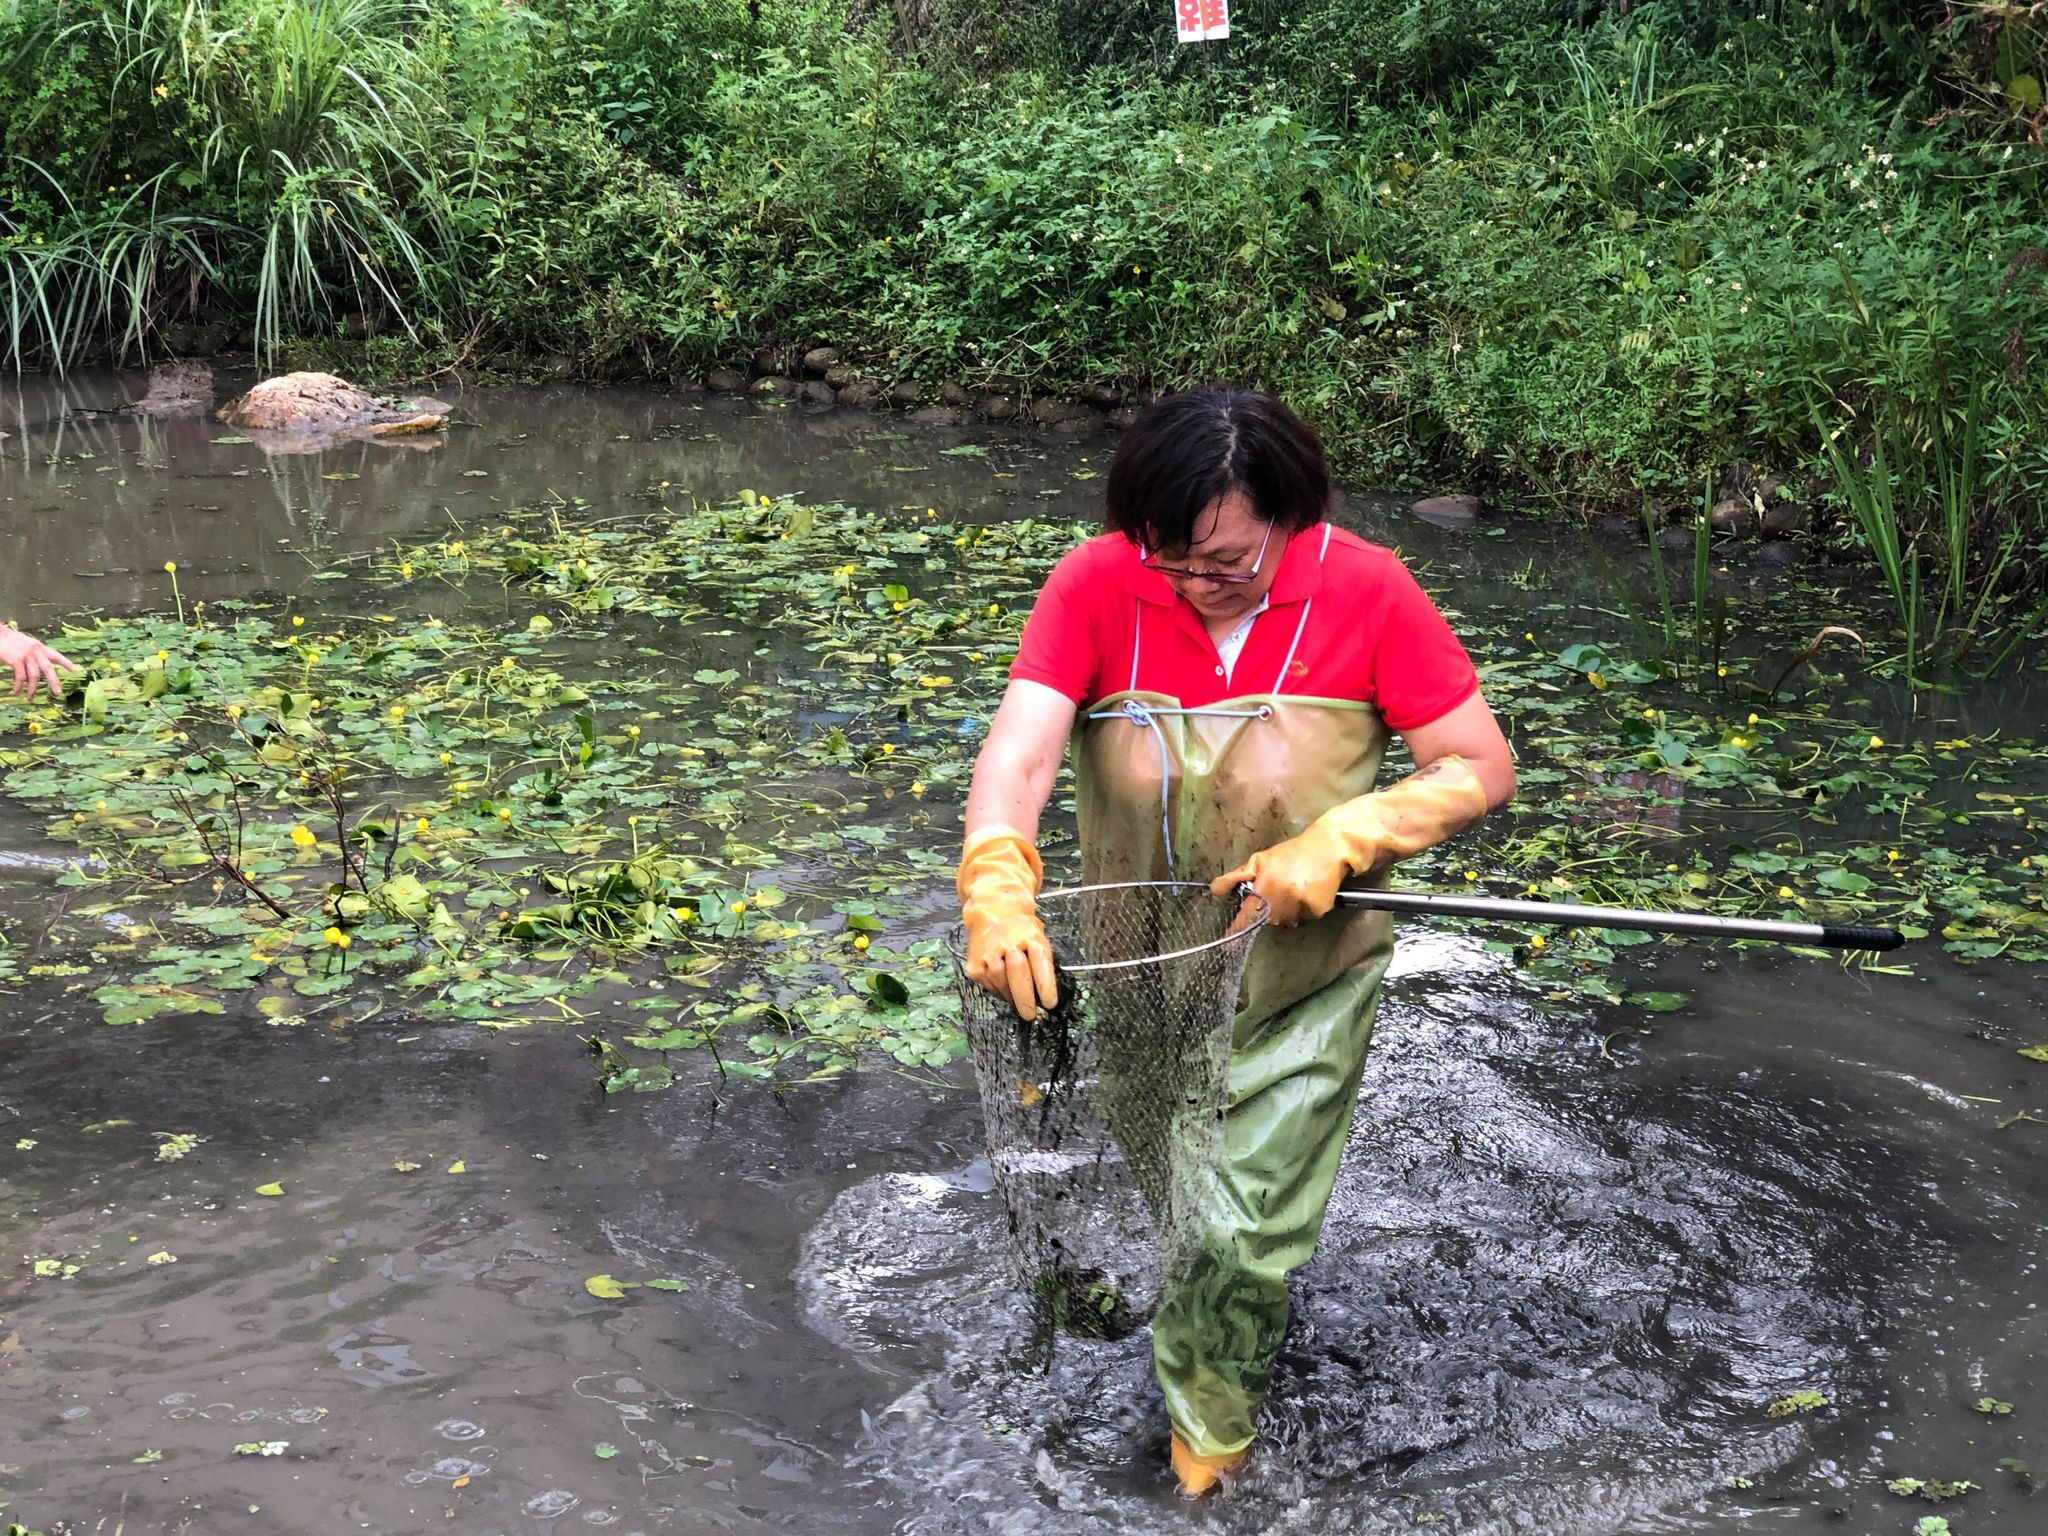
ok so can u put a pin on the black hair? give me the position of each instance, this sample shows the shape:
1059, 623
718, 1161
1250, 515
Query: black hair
1186, 450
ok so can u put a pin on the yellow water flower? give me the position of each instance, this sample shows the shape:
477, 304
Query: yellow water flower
35, 728
1784, 893
162, 657
234, 711
917, 788
333, 936
420, 826
632, 730
505, 815
304, 837
171, 567
405, 569
298, 621
1876, 742
398, 711
1535, 941
1596, 680
888, 749
739, 906
860, 941
447, 758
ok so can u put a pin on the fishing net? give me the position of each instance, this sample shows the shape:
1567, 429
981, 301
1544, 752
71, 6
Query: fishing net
1105, 1114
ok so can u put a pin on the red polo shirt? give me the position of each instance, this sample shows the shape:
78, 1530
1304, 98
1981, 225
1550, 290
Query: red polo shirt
1370, 633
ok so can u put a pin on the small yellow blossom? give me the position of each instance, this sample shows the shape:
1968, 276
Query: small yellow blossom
888, 749
1784, 893
332, 936
505, 815
405, 569
298, 621
234, 711
1596, 680
739, 906
917, 788
1471, 874
398, 711
1891, 855
860, 941
304, 837
171, 566
447, 758
1876, 742
420, 826
35, 728
632, 730
1535, 941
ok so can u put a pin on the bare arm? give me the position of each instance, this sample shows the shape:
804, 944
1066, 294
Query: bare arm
1014, 774
1471, 732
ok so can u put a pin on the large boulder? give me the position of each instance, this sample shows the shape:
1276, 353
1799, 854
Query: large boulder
318, 406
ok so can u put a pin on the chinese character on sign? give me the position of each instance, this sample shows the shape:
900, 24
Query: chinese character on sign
1202, 21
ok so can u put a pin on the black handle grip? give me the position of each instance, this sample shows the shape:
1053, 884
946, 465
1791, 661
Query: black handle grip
1860, 938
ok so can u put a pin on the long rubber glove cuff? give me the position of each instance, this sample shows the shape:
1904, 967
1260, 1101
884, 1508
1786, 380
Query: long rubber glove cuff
1007, 950
1298, 879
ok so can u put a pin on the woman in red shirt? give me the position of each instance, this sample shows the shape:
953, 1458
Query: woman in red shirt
1228, 667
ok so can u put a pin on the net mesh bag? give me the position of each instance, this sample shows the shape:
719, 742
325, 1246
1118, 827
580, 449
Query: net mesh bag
1105, 1114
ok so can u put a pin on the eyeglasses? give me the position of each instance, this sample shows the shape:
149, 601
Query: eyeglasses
1227, 578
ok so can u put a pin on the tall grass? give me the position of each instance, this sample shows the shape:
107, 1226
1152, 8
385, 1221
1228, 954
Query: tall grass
1942, 534
100, 276
301, 143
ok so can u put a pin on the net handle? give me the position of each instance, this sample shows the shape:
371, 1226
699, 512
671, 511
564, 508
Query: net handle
1237, 930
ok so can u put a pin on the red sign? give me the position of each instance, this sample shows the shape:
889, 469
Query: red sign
1201, 21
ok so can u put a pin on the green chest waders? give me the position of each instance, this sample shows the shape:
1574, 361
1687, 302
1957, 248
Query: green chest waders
1172, 793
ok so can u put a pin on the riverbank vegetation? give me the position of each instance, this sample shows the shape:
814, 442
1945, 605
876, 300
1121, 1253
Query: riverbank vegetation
1591, 251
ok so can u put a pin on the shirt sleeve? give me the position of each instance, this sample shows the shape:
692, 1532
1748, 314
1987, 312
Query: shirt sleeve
1420, 671
1061, 644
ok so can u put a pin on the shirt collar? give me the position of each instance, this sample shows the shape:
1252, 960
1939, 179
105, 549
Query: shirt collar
1300, 575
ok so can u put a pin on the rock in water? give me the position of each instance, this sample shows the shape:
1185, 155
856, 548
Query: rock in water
1448, 511
176, 389
320, 407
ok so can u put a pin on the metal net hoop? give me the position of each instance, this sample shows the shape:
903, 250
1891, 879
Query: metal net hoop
1104, 1115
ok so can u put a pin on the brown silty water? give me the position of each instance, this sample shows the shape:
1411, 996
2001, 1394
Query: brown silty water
1550, 1298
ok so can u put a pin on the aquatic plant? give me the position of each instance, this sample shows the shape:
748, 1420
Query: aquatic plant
548, 818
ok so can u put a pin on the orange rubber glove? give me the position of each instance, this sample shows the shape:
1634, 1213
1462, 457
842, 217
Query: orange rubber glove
1007, 950
1298, 879
1198, 1474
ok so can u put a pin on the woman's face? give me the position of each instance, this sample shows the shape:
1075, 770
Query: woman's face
1229, 536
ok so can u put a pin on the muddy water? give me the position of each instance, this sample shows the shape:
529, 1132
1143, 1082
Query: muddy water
1553, 1296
